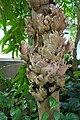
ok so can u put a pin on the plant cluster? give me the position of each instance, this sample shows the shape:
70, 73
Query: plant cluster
70, 94
12, 14
15, 101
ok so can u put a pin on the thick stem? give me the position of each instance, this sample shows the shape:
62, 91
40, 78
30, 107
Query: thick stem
75, 64
46, 63
45, 107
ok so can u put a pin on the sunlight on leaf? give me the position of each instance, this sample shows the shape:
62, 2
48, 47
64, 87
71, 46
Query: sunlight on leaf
53, 103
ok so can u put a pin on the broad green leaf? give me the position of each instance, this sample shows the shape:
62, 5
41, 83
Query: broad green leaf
52, 102
36, 118
71, 116
10, 102
12, 112
62, 117
32, 105
16, 114
3, 116
45, 116
35, 115
24, 106
56, 114
26, 118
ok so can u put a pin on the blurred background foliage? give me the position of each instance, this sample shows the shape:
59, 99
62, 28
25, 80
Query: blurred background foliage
12, 14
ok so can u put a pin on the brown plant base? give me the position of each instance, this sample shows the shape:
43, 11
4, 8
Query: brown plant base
45, 107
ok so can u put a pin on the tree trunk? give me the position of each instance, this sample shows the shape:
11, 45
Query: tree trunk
45, 58
45, 107
75, 64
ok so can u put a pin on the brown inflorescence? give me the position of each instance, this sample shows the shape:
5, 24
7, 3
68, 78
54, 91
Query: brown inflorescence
45, 58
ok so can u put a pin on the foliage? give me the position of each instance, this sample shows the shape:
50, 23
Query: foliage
12, 14
71, 9
71, 101
4, 83
20, 82
2, 116
70, 94
68, 116
52, 102
15, 103
45, 116
16, 114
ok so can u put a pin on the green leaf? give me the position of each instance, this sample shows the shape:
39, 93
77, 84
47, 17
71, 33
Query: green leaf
3, 116
36, 119
17, 50
52, 102
21, 83
62, 117
17, 77
77, 73
56, 114
26, 118
1, 75
71, 116
35, 115
24, 104
20, 88
16, 114
32, 105
12, 112
66, 56
22, 69
45, 116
